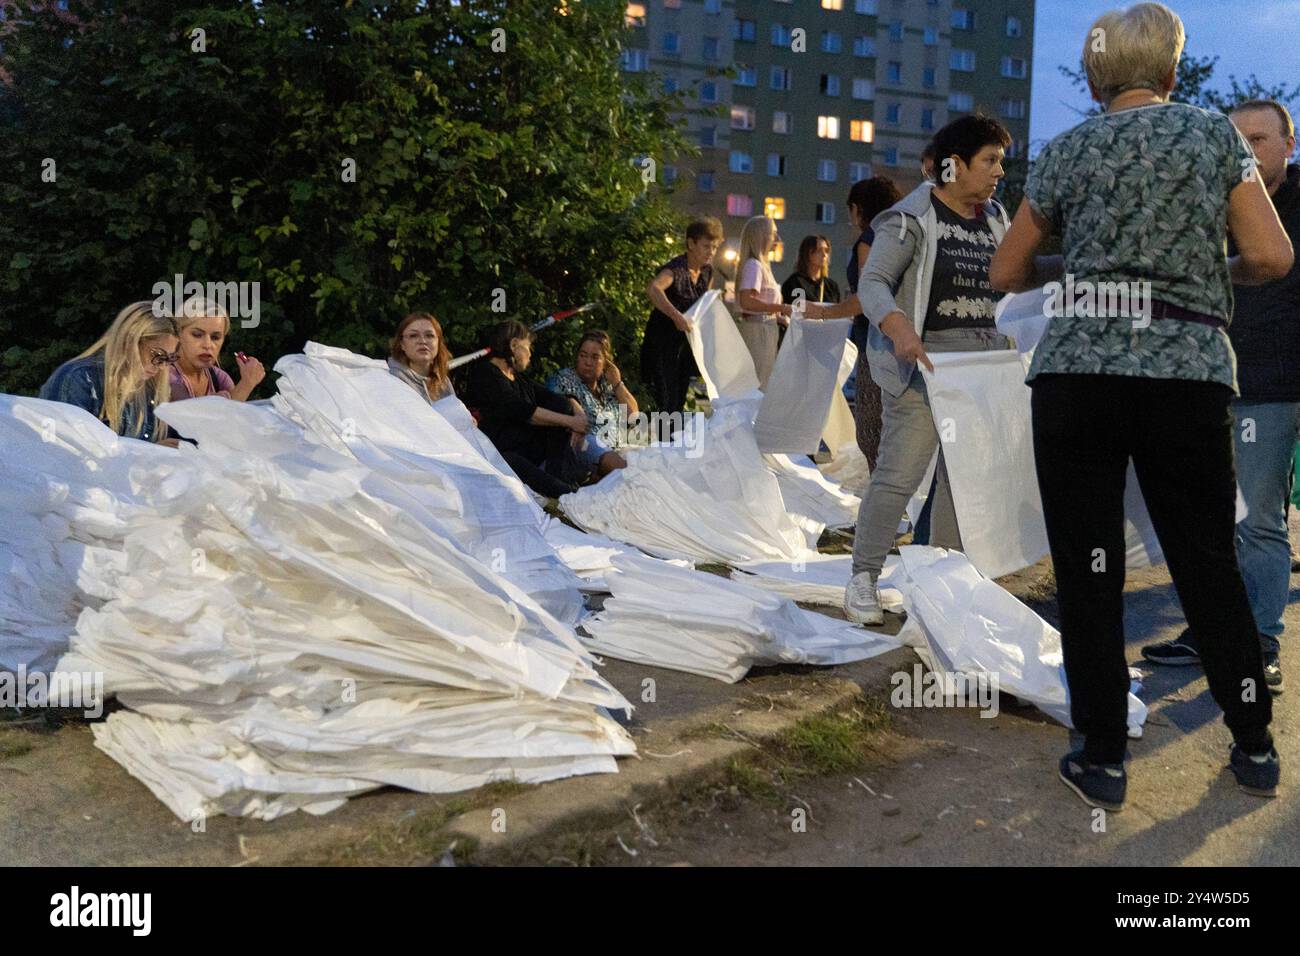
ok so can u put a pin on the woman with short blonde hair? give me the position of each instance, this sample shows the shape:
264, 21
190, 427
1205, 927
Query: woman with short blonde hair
123, 375
1143, 197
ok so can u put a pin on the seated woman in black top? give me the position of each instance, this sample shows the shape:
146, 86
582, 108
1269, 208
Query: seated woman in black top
534, 428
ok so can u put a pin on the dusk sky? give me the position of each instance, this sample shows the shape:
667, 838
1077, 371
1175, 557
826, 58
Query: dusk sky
1248, 36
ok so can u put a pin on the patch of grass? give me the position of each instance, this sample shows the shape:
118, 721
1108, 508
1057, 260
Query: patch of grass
752, 780
13, 743
832, 743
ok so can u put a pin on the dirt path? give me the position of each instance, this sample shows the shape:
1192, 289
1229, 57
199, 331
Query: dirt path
947, 787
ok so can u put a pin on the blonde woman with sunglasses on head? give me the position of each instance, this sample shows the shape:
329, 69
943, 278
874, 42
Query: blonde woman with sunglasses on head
123, 376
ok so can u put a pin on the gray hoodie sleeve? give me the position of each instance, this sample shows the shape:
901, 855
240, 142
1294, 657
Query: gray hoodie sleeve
882, 273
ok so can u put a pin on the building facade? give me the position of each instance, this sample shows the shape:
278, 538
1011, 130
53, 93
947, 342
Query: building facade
822, 93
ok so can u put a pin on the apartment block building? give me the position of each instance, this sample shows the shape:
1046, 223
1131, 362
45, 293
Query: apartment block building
823, 93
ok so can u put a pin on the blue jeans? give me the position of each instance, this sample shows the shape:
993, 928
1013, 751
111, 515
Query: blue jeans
1264, 439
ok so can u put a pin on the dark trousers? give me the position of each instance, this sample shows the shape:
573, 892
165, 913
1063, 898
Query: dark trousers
667, 367
549, 465
1179, 436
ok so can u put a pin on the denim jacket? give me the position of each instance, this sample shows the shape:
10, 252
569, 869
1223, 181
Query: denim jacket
80, 382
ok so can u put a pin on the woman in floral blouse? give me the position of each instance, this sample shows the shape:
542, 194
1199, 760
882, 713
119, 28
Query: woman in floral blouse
1137, 365
597, 384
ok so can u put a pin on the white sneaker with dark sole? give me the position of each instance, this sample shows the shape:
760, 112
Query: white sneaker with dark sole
862, 600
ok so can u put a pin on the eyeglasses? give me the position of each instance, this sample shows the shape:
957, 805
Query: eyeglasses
158, 357
420, 336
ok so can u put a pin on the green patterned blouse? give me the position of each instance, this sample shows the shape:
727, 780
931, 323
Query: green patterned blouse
1141, 196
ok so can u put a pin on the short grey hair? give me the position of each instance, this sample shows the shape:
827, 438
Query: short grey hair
1133, 49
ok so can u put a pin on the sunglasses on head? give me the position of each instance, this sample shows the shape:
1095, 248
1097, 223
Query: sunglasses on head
159, 357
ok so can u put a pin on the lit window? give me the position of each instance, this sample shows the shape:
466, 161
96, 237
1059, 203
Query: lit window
777, 252
635, 14
742, 117
832, 4
774, 207
740, 162
828, 127
738, 204
781, 122
862, 131
826, 171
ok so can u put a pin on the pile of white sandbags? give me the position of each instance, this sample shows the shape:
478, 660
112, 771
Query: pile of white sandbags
284, 639
704, 624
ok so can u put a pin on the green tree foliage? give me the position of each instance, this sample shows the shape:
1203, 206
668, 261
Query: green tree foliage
493, 144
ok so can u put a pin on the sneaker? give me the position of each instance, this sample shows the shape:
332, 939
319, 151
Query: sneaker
1181, 650
1273, 673
862, 600
1097, 784
1257, 774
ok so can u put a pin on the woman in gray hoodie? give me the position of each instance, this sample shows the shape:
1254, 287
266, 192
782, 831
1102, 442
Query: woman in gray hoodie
925, 286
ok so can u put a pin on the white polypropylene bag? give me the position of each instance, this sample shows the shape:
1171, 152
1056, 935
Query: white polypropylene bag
720, 353
971, 625
703, 624
980, 405
797, 400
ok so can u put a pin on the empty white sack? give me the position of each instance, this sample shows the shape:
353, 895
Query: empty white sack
961, 622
